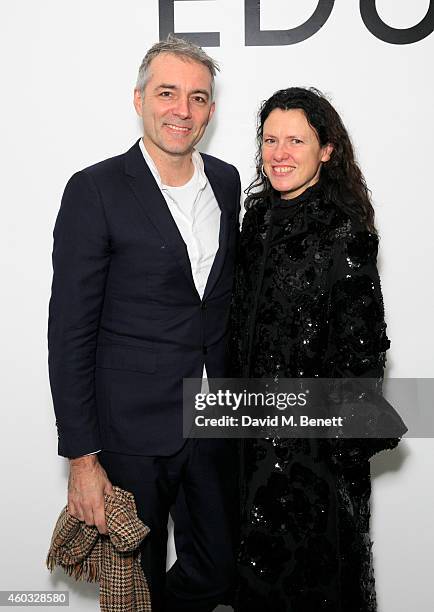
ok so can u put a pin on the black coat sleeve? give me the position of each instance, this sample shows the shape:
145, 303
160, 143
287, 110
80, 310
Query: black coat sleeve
357, 338
81, 257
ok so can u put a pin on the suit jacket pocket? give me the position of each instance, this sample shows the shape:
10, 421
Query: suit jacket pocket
118, 357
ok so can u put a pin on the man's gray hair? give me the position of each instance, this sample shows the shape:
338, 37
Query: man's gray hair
182, 48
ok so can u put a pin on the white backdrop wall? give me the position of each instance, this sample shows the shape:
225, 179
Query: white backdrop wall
67, 73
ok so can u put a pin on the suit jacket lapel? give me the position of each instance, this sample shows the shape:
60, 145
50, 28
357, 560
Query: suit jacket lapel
154, 206
216, 268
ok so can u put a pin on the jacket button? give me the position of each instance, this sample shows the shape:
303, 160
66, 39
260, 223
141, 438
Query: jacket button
203, 306
204, 350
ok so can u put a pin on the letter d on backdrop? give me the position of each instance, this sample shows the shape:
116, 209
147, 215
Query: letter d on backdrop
257, 37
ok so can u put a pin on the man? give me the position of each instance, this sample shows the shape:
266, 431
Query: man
143, 262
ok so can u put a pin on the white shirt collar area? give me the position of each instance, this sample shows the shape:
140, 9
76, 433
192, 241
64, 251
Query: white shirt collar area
198, 164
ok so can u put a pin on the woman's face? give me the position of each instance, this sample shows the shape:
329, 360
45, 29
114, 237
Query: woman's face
291, 152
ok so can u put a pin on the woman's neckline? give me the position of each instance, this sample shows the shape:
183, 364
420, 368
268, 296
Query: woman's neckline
308, 194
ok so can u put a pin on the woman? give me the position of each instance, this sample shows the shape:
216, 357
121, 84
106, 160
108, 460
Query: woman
307, 303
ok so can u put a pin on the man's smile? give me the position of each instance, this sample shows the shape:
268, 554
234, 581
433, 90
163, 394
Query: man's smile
177, 128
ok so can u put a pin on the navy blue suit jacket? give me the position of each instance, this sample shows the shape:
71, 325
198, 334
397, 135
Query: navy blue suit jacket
126, 323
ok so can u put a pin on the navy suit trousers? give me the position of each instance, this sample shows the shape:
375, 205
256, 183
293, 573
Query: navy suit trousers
198, 486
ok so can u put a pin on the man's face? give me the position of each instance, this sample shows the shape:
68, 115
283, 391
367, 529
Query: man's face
175, 106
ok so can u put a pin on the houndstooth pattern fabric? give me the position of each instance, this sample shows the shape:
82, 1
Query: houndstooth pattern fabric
113, 559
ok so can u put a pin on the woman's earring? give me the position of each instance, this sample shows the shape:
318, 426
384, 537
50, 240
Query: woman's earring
263, 172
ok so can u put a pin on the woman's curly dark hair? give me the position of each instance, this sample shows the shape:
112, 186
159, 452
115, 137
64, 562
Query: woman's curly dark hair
341, 179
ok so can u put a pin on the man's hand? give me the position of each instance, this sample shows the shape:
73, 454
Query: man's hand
87, 485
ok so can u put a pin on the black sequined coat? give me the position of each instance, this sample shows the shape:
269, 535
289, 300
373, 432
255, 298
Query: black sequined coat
307, 303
